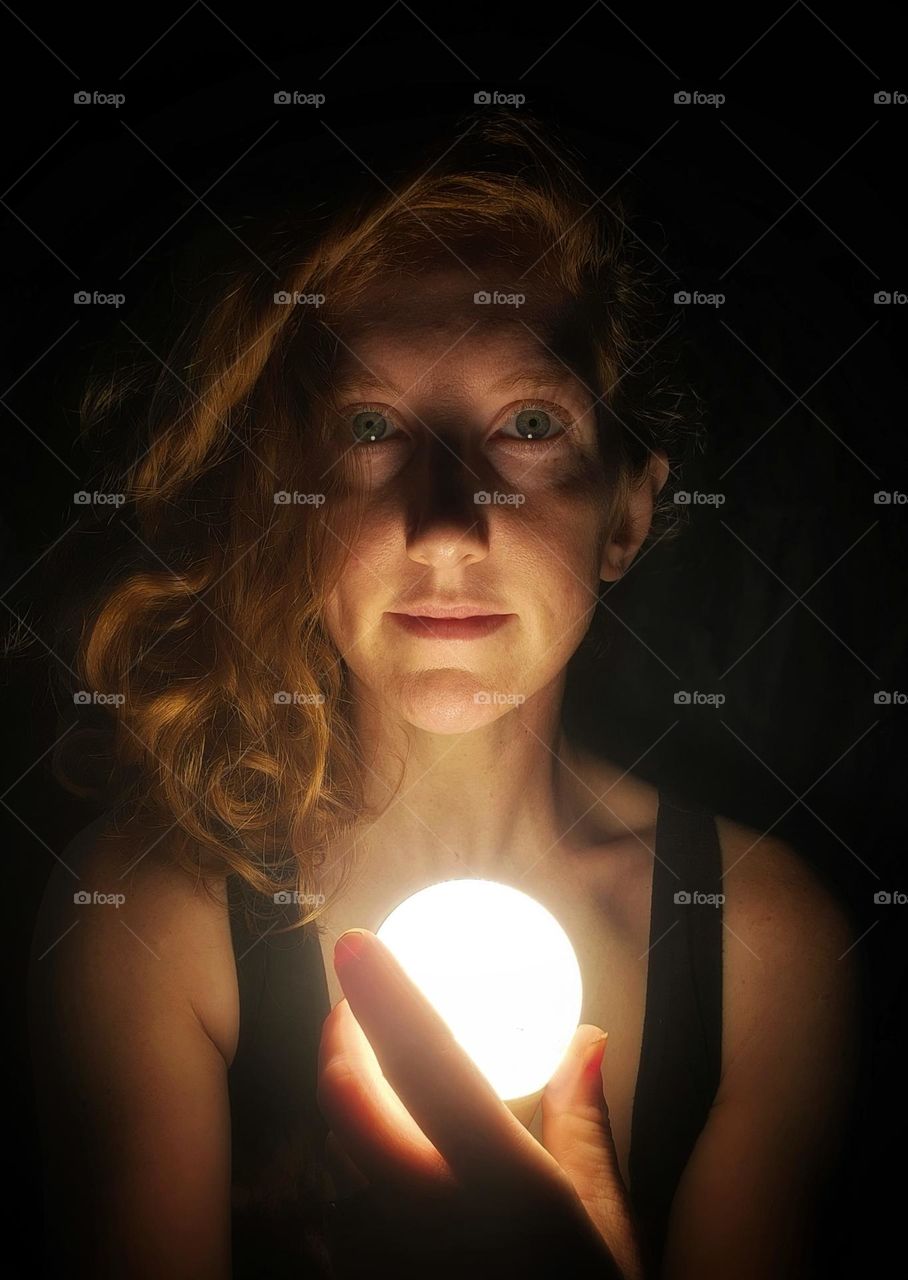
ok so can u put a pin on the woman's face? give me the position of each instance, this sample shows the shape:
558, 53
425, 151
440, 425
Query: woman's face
485, 487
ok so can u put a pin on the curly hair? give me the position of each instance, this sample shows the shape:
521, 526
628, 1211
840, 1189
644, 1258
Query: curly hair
211, 705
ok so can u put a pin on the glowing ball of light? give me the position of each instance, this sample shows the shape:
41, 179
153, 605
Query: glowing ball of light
499, 969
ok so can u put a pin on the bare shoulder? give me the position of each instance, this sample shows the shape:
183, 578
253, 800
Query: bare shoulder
129, 996
117, 913
791, 984
778, 900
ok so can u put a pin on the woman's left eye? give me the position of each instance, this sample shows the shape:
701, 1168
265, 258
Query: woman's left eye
534, 420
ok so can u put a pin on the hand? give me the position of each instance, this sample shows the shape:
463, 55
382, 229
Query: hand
454, 1179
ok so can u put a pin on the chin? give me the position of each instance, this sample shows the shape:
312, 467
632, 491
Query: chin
448, 701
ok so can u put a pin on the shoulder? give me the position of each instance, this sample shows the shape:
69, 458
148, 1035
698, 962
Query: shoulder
778, 903
791, 975
118, 919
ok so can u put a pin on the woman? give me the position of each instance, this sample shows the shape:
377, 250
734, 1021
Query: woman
372, 492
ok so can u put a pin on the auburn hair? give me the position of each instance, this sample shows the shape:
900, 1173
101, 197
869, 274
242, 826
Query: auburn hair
211, 705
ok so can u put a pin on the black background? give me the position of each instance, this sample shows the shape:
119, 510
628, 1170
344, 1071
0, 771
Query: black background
787, 198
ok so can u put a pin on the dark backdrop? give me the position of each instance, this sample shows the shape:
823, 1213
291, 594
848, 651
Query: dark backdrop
788, 598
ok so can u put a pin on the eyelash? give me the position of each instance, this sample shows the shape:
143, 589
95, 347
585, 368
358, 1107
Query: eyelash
567, 422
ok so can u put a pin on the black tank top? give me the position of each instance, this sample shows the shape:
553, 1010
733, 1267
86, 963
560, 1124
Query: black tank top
283, 1223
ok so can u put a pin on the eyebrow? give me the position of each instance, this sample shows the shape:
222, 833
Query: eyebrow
546, 372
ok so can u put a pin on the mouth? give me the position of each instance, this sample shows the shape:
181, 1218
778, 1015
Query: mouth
471, 627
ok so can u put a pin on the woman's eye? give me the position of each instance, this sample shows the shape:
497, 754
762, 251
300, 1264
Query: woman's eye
371, 426
536, 422
532, 422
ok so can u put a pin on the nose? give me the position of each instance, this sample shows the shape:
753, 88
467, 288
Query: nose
448, 528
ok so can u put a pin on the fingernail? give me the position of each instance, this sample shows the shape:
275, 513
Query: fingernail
349, 946
596, 1054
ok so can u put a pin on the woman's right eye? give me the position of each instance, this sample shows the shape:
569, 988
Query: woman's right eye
371, 426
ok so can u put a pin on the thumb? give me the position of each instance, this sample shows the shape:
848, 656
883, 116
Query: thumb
577, 1133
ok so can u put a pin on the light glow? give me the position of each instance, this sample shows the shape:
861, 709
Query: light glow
499, 969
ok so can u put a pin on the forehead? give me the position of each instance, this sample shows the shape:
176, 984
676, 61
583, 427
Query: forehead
455, 323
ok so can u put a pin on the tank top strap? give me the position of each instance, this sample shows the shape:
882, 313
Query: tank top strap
278, 1132
681, 1053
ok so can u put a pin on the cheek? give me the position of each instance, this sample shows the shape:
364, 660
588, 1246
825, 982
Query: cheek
368, 580
560, 536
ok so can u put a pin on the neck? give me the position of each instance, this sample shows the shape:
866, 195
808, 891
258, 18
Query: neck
494, 799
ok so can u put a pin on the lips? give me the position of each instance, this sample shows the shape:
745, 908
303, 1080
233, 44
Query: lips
466, 609
472, 627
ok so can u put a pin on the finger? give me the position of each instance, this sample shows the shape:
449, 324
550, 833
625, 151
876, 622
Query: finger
438, 1083
374, 1128
576, 1130
347, 1178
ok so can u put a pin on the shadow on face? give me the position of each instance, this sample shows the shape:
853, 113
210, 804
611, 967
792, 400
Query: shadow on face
474, 430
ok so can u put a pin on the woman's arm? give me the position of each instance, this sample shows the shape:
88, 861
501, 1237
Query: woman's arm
746, 1201
131, 1087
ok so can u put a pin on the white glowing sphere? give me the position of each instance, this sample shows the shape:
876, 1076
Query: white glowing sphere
499, 969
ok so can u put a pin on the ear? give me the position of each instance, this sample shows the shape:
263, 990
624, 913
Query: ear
618, 554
